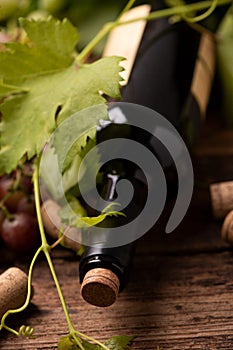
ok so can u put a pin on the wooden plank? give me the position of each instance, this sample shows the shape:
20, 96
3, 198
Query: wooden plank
179, 294
175, 301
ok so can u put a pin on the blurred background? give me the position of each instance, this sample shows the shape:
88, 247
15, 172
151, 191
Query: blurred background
90, 15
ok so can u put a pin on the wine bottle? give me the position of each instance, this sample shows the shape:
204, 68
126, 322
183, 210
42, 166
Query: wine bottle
104, 271
172, 74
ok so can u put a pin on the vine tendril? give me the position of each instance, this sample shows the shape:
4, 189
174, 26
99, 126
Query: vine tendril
26, 331
24, 306
204, 15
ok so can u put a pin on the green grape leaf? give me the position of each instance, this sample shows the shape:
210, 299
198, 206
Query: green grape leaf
59, 182
50, 175
71, 135
73, 213
120, 342
80, 147
75, 217
65, 343
71, 165
59, 165
90, 167
50, 86
110, 207
48, 48
86, 221
73, 206
89, 346
6, 89
73, 139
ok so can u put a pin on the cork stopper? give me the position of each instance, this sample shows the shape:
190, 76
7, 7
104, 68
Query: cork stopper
100, 287
227, 228
221, 198
13, 289
72, 238
52, 224
50, 217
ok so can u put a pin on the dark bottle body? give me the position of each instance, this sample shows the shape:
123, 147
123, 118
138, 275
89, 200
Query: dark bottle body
166, 75
162, 79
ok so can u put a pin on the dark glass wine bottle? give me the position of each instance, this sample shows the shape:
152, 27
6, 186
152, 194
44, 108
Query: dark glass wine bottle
104, 271
172, 74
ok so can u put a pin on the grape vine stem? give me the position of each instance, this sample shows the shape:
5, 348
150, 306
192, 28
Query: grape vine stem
168, 12
46, 249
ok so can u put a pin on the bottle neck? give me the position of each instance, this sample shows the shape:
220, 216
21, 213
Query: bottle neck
103, 271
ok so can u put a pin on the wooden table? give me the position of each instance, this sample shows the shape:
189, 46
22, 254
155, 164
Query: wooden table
180, 291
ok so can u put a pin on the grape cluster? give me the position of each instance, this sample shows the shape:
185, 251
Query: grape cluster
18, 224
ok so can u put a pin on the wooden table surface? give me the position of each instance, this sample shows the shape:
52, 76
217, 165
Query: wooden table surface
180, 291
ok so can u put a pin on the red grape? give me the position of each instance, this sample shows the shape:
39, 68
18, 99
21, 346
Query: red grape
26, 178
27, 184
27, 205
2, 217
20, 233
5, 188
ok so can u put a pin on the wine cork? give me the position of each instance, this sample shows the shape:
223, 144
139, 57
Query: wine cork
100, 287
52, 224
72, 238
227, 228
50, 217
13, 289
221, 198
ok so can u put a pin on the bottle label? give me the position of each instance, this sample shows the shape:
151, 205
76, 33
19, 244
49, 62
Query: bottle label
204, 71
125, 40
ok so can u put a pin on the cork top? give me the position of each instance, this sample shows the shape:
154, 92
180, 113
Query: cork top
221, 198
100, 287
227, 228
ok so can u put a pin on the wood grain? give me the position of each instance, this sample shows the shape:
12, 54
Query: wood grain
180, 290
